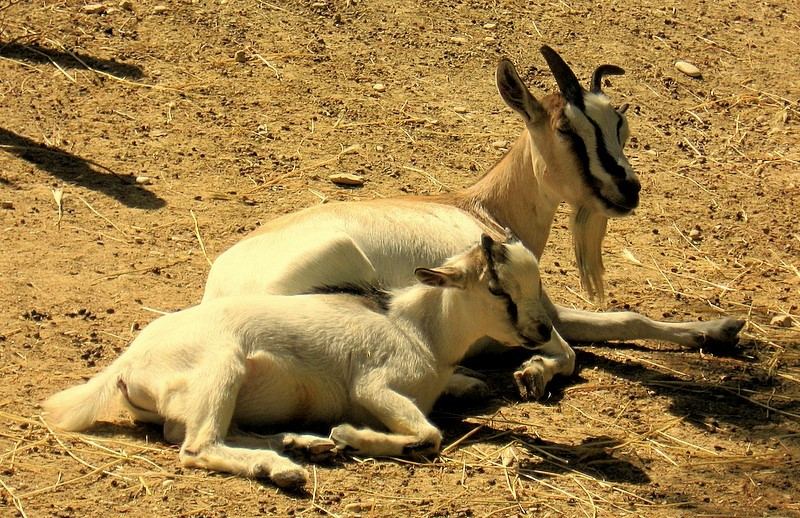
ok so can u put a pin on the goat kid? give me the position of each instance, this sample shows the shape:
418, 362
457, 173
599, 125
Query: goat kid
571, 150
266, 360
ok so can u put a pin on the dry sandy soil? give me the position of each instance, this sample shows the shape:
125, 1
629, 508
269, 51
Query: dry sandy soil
92, 101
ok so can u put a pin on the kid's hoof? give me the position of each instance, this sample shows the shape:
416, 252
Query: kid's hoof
289, 477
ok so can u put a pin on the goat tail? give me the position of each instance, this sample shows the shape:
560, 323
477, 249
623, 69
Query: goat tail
79, 407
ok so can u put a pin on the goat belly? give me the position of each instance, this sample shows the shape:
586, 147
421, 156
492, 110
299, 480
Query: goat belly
277, 390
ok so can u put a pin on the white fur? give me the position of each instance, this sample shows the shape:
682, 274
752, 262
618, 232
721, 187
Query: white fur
264, 359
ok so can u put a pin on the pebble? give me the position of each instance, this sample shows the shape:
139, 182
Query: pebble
93, 8
346, 179
781, 321
490, 25
160, 9
688, 69
458, 39
144, 180
359, 507
379, 148
351, 150
460, 109
240, 56
696, 234
500, 144
379, 87
127, 5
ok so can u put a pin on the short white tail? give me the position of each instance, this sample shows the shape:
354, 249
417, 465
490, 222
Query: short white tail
78, 408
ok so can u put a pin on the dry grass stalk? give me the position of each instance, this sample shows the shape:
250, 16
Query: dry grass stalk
199, 237
16, 501
102, 217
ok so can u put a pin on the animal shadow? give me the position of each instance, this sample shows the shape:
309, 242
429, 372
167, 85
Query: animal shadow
78, 170
35, 53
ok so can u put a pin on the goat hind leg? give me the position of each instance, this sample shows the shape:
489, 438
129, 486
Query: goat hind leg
205, 404
412, 433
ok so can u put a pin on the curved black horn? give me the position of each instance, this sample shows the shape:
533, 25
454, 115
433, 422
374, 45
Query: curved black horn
568, 84
604, 70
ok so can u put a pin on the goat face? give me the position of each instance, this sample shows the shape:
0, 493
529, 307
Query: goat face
511, 274
580, 136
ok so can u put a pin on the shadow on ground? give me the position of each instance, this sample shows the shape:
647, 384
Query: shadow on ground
35, 53
79, 171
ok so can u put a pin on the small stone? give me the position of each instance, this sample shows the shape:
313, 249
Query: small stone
458, 39
379, 148
696, 234
490, 25
160, 9
489, 39
359, 507
352, 180
460, 109
351, 150
93, 8
781, 321
688, 69
379, 87
240, 56
7, 205
500, 144
127, 5
144, 180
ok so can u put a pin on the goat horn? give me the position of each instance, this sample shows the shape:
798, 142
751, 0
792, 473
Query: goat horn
568, 84
604, 70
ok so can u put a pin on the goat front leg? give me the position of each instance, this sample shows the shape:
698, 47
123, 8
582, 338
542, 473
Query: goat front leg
411, 432
555, 357
586, 326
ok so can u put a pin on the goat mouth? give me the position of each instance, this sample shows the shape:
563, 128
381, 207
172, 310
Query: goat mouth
619, 209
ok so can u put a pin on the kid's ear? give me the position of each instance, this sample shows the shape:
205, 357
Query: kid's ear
445, 277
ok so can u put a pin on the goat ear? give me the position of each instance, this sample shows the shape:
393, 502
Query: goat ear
495, 252
515, 94
444, 277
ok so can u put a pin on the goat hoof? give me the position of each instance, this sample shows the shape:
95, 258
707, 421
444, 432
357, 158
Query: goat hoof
530, 381
290, 477
345, 438
308, 444
721, 334
420, 448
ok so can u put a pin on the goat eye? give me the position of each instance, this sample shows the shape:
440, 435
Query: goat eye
496, 290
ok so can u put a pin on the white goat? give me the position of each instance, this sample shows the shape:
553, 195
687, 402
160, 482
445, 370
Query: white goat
571, 150
263, 360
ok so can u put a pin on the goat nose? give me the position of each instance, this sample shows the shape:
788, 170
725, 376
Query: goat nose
629, 189
544, 331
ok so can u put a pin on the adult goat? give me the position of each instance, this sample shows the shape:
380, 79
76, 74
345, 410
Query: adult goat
265, 359
571, 150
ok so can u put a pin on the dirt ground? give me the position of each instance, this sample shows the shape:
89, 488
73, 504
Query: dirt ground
239, 110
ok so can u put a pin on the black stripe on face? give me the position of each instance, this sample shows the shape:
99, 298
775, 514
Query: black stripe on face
606, 160
594, 183
497, 290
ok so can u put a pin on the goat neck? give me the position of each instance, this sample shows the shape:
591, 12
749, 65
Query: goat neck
446, 321
514, 195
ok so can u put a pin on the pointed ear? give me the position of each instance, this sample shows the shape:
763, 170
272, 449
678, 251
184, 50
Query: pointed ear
444, 277
516, 94
495, 252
